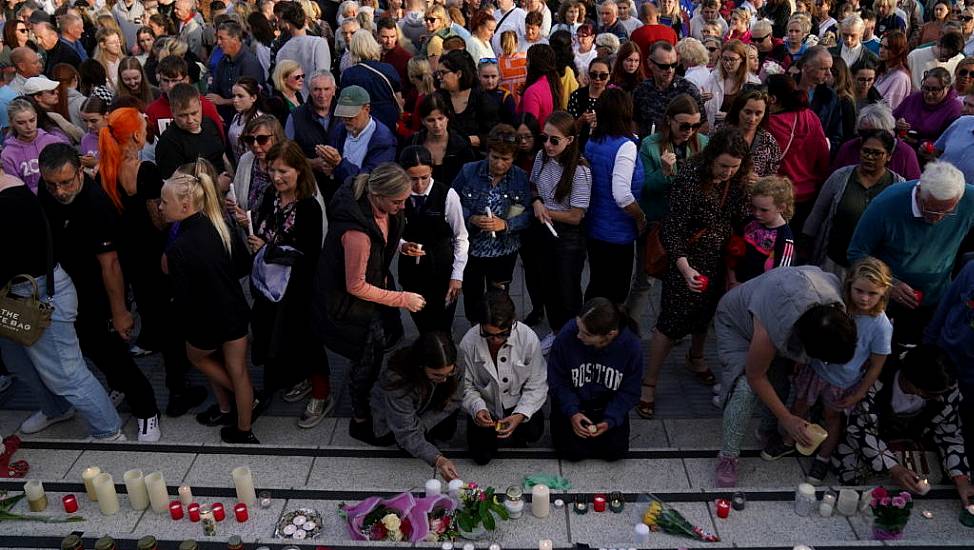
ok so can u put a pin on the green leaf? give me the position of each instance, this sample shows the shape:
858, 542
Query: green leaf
500, 511
465, 523
488, 520
9, 502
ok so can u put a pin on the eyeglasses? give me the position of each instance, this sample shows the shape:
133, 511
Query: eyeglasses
871, 153
297, 76
441, 72
932, 89
502, 335
595, 75
260, 139
53, 186
685, 126
967, 18
432, 19
555, 140
666, 66
964, 73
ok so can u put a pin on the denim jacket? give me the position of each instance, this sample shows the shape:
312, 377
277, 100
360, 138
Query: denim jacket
509, 199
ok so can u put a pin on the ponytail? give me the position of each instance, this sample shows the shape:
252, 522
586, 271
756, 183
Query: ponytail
122, 125
200, 190
601, 317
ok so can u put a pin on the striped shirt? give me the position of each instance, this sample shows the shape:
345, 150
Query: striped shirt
546, 177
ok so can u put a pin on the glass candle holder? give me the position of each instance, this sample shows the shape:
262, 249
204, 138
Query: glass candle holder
580, 505
70, 503
219, 514
599, 503
264, 498
194, 512
176, 510
723, 508
616, 502
240, 512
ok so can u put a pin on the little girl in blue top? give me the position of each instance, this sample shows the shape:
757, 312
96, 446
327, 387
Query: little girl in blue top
840, 387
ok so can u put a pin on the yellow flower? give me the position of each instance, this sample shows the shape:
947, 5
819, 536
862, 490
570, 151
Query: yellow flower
391, 522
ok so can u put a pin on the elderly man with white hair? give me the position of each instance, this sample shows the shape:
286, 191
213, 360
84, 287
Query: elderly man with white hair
917, 227
878, 116
851, 49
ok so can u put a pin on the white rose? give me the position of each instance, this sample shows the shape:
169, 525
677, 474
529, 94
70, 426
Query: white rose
391, 522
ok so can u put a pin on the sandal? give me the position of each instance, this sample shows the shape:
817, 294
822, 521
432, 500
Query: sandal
647, 409
699, 369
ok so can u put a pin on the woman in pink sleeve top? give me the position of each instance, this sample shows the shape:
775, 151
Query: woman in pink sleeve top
543, 83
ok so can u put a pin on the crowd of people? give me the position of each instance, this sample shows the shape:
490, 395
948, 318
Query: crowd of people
230, 183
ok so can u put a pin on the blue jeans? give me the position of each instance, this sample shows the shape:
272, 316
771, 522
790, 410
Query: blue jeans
53, 367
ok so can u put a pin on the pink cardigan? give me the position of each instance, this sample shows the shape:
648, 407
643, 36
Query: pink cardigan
537, 100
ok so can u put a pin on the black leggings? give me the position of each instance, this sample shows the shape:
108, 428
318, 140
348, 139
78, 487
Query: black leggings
610, 270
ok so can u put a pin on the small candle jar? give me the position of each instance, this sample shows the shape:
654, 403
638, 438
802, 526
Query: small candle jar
923, 486
70, 503
454, 487
805, 499
194, 512
581, 505
598, 503
738, 501
185, 495
723, 508
208, 521
494, 546
514, 502
616, 502
176, 510
264, 499
825, 509
433, 487
219, 514
240, 512
545, 544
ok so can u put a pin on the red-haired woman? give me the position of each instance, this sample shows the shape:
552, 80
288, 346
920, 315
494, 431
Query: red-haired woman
134, 187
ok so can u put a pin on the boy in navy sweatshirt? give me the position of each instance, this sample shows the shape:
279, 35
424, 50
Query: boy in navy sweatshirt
594, 371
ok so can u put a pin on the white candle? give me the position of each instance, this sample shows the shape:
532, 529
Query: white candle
642, 534
243, 480
185, 495
545, 544
825, 509
155, 485
848, 502
454, 487
88, 475
107, 497
135, 488
924, 486
540, 504
420, 247
433, 488
36, 498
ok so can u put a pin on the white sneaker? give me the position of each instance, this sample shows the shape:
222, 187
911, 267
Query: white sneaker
547, 342
149, 429
117, 397
114, 438
39, 422
315, 412
5, 382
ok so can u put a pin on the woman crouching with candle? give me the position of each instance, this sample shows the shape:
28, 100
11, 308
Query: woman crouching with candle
207, 295
417, 399
594, 372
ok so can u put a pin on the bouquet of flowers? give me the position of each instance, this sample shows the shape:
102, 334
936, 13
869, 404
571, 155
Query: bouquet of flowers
660, 516
477, 507
376, 519
890, 513
432, 519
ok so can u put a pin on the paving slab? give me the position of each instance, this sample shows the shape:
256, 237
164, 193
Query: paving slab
340, 437
48, 464
775, 523
283, 431
647, 434
943, 527
703, 433
378, 474
173, 466
751, 473
270, 471
10, 420
259, 525
608, 530
635, 475
501, 473
95, 523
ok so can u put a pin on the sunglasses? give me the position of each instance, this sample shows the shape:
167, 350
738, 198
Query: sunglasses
709, 49
967, 18
490, 60
964, 73
261, 139
555, 140
759, 38
432, 19
502, 335
668, 66
297, 76
685, 126
595, 75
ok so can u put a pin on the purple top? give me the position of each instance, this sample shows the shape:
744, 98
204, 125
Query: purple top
929, 121
903, 162
20, 159
89, 145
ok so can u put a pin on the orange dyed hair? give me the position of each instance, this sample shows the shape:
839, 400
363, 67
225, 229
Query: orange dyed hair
122, 125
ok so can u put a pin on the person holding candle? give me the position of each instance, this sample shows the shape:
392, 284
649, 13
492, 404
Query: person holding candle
916, 398
204, 265
763, 326
417, 399
840, 387
505, 380
594, 370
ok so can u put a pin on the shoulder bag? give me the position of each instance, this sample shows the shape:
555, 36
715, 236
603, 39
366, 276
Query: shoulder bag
24, 319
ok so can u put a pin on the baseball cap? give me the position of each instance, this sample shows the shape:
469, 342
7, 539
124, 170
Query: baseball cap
351, 100
37, 84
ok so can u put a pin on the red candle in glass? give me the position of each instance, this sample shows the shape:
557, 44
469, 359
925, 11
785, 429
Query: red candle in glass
194, 512
704, 282
723, 508
218, 513
176, 510
70, 503
598, 503
918, 295
240, 512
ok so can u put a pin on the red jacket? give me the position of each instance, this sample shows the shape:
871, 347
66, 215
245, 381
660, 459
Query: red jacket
804, 151
647, 35
159, 116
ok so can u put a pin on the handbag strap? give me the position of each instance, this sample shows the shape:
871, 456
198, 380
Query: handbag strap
791, 139
49, 279
700, 232
386, 79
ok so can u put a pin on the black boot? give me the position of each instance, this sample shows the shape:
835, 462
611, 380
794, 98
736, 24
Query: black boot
180, 402
231, 434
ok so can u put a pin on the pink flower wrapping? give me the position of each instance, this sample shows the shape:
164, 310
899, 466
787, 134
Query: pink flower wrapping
403, 503
419, 516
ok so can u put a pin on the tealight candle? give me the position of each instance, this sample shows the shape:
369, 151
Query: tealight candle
616, 502
470, 545
433, 487
642, 534
454, 487
739, 501
107, 497
176, 510
155, 484
598, 503
494, 546
540, 501
36, 497
240, 512
185, 495
545, 544
581, 505
723, 508
243, 480
135, 488
264, 497
70, 503
88, 476
219, 514
194, 512
514, 503
923, 486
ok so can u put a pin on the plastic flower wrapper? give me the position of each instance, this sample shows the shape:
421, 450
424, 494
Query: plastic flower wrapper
376, 518
432, 519
891, 511
661, 517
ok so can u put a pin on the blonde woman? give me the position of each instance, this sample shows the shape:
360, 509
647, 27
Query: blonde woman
694, 58
437, 28
740, 25
109, 53
797, 39
288, 81
726, 81
512, 64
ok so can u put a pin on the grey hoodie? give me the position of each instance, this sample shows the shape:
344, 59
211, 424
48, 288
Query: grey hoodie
413, 27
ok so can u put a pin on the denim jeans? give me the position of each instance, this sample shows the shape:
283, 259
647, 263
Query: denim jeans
53, 367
